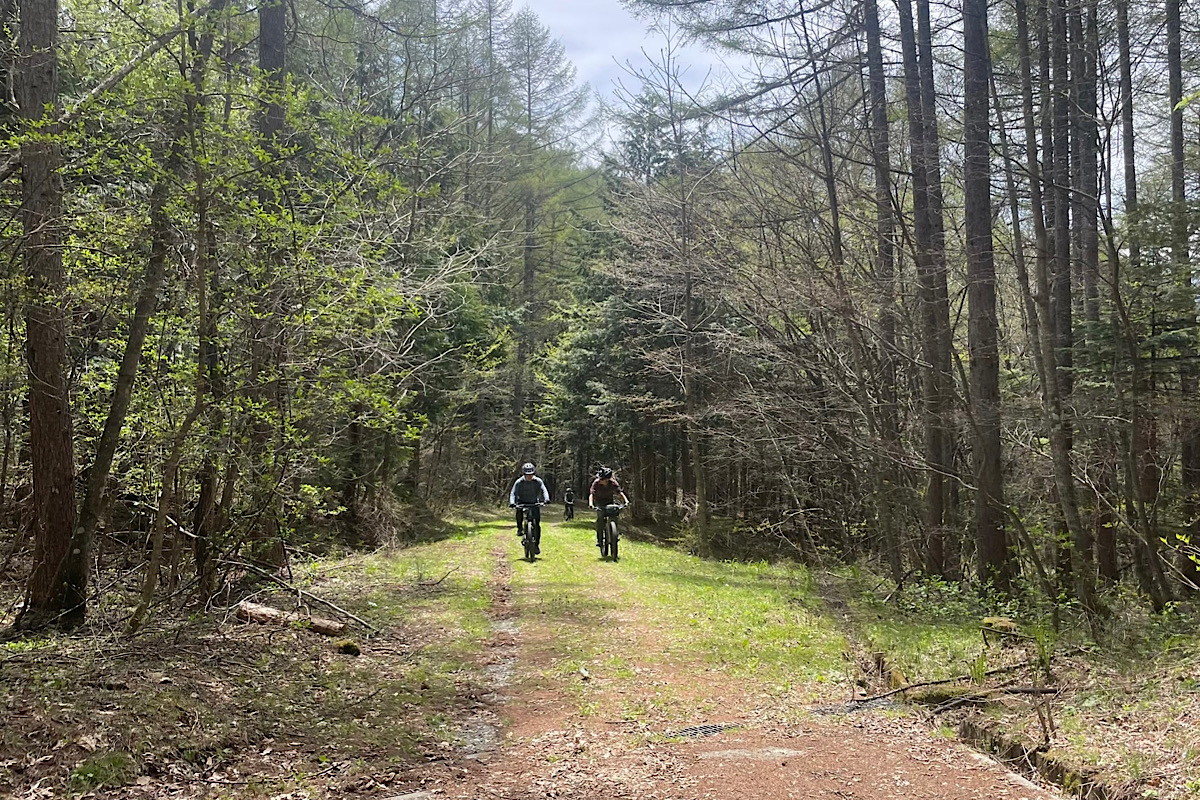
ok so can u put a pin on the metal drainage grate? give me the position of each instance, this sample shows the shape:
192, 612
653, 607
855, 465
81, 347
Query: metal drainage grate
699, 731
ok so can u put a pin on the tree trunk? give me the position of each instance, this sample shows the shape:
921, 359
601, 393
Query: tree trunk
166, 502
208, 382
991, 542
1189, 456
266, 615
266, 346
1061, 311
885, 276
1089, 162
524, 344
695, 460
57, 592
940, 308
931, 275
1039, 300
1142, 473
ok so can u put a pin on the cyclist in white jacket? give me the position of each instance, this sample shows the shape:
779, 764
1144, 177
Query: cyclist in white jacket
528, 491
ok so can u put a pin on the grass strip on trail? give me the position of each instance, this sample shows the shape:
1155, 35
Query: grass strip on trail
760, 623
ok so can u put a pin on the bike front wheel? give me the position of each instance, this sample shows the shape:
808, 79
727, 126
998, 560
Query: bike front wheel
612, 539
527, 540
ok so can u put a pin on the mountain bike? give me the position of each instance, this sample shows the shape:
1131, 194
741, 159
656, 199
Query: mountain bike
610, 536
529, 530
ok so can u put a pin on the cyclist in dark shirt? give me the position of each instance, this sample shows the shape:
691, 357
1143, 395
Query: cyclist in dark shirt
528, 491
569, 504
605, 490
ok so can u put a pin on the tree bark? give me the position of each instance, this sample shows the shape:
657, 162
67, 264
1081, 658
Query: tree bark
1189, 375
991, 541
1060, 293
930, 258
266, 347
266, 615
885, 276
1142, 472
57, 590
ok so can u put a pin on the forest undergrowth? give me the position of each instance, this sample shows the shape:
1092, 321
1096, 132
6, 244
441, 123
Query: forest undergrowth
203, 704
1120, 708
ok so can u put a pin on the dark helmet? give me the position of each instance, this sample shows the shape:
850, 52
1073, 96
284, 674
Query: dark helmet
604, 474
527, 468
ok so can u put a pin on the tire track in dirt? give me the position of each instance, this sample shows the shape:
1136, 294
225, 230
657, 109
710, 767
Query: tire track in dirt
501, 658
551, 749
480, 735
781, 749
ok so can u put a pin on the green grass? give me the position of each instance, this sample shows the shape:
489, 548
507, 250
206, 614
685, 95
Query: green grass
641, 628
106, 770
1128, 700
759, 620
26, 645
924, 650
931, 631
754, 621
440, 590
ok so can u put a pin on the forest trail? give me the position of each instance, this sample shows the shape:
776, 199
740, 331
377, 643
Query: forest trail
606, 682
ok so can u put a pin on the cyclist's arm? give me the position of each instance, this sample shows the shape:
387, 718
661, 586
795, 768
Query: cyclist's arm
512, 495
545, 491
624, 499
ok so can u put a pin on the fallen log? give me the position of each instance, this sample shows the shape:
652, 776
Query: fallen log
301, 593
266, 615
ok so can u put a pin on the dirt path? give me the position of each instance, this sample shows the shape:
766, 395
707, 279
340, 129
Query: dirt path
655, 727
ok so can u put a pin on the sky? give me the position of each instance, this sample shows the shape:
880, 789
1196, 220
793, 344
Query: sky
601, 37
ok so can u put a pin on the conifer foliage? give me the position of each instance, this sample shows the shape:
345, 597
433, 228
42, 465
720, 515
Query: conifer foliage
921, 291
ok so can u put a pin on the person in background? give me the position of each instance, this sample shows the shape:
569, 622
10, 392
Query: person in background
569, 504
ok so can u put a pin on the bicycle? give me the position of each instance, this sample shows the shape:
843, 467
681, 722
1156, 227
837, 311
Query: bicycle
610, 536
568, 511
529, 530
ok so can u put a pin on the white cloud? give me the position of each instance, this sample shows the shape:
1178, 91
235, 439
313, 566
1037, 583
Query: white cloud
601, 37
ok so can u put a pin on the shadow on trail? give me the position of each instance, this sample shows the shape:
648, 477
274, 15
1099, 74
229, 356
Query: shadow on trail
801, 588
432, 528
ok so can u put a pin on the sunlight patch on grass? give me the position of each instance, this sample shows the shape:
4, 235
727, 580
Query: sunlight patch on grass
925, 651
761, 620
